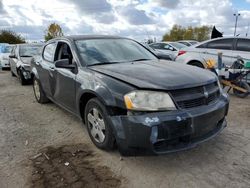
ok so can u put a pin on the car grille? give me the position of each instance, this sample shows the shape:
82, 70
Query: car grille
196, 96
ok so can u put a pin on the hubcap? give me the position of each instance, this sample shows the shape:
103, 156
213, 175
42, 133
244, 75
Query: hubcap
96, 125
36, 89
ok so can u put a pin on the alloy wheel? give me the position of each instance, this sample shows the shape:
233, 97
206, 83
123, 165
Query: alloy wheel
37, 89
96, 125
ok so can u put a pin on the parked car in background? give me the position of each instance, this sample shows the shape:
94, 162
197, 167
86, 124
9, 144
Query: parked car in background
126, 96
20, 58
231, 48
188, 42
4, 56
160, 54
171, 47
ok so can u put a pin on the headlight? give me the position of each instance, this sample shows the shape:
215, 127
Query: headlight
148, 101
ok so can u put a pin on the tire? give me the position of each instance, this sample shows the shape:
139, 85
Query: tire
12, 74
21, 78
100, 125
38, 92
242, 85
196, 63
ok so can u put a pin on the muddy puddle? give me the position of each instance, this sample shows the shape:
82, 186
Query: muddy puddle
70, 166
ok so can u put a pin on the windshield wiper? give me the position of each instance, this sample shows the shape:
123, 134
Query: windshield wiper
105, 63
141, 60
25, 56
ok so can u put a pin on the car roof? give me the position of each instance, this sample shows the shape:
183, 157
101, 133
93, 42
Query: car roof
83, 37
219, 38
187, 41
30, 44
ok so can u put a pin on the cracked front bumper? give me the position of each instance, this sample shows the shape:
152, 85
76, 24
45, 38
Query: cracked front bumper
165, 132
26, 72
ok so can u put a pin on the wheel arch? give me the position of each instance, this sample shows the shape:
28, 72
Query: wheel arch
197, 63
85, 97
34, 73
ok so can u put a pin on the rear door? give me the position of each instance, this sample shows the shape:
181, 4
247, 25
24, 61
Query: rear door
11, 61
242, 50
45, 68
14, 61
211, 49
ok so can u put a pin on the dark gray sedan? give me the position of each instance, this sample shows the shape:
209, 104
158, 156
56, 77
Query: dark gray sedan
127, 97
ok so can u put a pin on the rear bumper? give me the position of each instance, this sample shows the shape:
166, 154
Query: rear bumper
165, 132
4, 63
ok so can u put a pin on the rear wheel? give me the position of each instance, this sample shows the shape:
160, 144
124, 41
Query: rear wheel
12, 73
98, 125
243, 85
38, 92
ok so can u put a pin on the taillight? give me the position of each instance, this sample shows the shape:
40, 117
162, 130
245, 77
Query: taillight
181, 52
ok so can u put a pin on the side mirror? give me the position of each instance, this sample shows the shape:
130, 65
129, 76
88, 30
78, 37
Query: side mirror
12, 56
64, 63
172, 49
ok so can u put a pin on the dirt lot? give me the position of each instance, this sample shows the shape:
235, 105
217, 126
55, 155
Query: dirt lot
44, 146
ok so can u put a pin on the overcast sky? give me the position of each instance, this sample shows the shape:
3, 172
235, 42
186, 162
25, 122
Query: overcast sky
138, 19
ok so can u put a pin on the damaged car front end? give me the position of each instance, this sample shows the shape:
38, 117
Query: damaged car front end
128, 97
166, 131
20, 60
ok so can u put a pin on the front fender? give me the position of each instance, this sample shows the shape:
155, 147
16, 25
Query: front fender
34, 72
108, 90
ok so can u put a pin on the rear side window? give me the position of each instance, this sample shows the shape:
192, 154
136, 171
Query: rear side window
204, 45
155, 46
49, 51
221, 44
243, 45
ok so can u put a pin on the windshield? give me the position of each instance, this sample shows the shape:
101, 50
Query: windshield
101, 51
6, 49
177, 45
26, 50
193, 42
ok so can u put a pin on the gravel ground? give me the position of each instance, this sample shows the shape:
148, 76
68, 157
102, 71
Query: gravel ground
30, 131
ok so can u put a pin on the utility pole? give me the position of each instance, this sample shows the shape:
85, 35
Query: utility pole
247, 29
236, 21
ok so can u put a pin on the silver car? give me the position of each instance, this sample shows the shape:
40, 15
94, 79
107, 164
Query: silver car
172, 48
231, 48
4, 56
188, 42
20, 59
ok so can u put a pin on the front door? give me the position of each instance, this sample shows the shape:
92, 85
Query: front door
45, 68
64, 84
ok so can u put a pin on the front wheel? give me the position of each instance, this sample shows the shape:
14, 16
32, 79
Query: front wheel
38, 92
243, 85
98, 126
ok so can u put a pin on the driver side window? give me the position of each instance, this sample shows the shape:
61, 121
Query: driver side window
63, 51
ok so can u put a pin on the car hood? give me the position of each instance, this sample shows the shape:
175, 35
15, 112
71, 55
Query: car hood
4, 55
162, 75
27, 60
